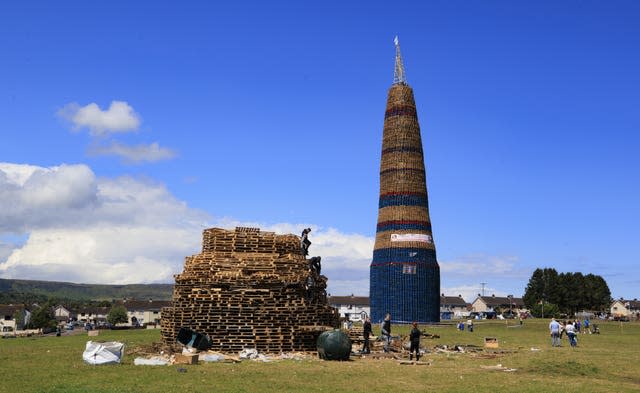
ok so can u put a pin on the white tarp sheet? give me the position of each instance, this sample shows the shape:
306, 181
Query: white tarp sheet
103, 353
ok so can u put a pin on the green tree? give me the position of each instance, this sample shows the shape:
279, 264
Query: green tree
43, 317
545, 310
598, 293
103, 303
570, 292
18, 316
117, 314
542, 286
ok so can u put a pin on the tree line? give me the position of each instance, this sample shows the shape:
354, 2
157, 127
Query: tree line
554, 293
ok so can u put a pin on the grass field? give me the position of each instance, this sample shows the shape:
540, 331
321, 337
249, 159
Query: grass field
609, 362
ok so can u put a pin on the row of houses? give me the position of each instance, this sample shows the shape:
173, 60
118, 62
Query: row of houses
139, 312
356, 308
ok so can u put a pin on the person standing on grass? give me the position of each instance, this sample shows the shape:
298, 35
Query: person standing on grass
385, 329
366, 332
571, 333
414, 337
554, 329
586, 326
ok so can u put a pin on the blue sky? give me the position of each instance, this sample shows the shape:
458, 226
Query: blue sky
127, 128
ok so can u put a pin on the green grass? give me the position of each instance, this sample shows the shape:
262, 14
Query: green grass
609, 362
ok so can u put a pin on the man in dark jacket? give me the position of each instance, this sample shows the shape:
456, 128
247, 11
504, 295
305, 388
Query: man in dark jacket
366, 332
305, 242
414, 336
385, 329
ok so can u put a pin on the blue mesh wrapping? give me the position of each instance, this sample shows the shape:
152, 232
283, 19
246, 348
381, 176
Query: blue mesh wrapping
403, 200
408, 297
401, 226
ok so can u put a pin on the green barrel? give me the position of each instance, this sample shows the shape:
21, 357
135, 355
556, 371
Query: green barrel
334, 345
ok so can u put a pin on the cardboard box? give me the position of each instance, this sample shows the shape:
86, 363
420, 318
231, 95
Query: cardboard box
191, 358
490, 342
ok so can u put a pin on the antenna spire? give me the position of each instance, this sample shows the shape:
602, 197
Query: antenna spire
398, 74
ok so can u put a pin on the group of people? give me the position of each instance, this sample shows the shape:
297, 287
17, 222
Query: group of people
385, 332
460, 325
571, 328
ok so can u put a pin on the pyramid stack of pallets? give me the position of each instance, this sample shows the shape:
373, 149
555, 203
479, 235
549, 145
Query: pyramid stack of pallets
250, 289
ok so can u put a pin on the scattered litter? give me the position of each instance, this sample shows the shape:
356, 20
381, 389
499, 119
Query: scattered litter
248, 353
154, 361
445, 349
181, 370
534, 349
96, 353
498, 367
252, 354
293, 356
211, 357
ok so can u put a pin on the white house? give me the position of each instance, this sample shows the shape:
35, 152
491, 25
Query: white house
353, 308
13, 318
494, 305
62, 314
92, 314
141, 312
453, 307
625, 308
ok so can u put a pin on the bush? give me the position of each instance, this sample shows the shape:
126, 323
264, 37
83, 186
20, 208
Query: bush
117, 314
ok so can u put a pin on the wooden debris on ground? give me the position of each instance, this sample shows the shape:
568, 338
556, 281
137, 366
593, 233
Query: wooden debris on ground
498, 367
414, 363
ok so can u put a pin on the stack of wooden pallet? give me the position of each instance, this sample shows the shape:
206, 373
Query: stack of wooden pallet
250, 289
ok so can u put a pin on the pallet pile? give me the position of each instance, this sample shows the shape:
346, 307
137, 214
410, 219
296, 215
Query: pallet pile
250, 289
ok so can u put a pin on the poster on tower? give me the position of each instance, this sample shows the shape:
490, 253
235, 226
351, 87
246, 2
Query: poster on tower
411, 237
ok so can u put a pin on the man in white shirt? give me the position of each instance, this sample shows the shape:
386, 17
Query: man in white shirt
554, 329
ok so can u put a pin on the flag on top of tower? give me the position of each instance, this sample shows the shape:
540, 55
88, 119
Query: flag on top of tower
395, 40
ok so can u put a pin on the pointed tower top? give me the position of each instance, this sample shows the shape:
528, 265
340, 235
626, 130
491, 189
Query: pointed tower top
398, 74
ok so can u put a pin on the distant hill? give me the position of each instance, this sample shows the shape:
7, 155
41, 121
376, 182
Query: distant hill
65, 290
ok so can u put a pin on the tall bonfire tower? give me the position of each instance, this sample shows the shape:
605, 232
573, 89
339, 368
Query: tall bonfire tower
404, 275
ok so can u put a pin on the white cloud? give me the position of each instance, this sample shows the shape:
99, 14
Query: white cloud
478, 264
34, 196
69, 196
134, 154
120, 117
112, 254
96, 230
